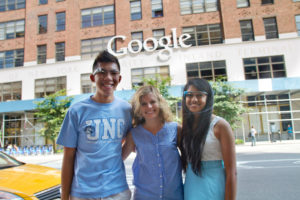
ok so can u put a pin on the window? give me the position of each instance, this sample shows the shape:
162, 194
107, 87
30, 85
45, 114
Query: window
247, 30
10, 91
197, 6
12, 58
42, 2
297, 19
139, 74
208, 70
11, 5
87, 86
135, 10
90, 48
157, 8
60, 21
264, 67
41, 54
204, 35
59, 0
97, 16
242, 3
271, 28
47, 86
12, 29
296, 0
136, 36
157, 34
60, 51
43, 24
267, 2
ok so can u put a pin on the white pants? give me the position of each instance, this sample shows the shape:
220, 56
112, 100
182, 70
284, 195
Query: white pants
125, 195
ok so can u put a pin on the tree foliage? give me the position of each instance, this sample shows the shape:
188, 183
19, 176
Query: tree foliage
51, 112
227, 103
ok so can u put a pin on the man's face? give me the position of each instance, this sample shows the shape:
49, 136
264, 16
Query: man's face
107, 77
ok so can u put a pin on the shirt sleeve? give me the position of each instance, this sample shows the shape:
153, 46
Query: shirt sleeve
68, 134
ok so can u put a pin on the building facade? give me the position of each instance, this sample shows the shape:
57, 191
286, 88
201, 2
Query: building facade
48, 45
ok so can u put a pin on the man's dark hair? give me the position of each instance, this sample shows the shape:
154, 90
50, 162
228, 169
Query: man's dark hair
105, 57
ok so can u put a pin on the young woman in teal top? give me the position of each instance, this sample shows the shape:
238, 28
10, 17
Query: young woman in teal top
207, 146
157, 167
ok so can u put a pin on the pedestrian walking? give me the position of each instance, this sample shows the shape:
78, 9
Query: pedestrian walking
253, 132
290, 132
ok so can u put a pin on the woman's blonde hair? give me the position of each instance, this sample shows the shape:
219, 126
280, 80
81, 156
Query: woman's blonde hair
164, 110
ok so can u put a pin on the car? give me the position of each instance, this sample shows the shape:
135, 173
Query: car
19, 180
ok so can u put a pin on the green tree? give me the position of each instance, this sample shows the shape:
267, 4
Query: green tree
227, 103
51, 112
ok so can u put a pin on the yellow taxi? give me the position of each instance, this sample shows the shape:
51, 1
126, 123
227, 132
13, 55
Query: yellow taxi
19, 180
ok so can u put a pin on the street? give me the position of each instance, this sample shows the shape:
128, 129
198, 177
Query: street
266, 171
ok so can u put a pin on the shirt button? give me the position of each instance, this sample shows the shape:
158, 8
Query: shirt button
161, 186
158, 165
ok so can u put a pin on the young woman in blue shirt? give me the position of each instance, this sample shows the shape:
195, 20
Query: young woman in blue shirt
207, 146
157, 167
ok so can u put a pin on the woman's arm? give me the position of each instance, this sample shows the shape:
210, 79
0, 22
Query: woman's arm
67, 172
224, 133
128, 146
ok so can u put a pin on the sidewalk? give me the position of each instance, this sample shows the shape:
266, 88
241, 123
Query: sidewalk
290, 146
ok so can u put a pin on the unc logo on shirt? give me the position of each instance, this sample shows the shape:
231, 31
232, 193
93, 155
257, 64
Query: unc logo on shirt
104, 129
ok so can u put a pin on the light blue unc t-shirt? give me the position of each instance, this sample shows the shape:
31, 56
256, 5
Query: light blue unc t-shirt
96, 131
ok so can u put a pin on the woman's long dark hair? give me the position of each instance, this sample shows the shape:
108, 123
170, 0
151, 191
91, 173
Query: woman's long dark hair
193, 140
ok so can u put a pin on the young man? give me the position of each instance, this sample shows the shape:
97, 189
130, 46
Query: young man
92, 134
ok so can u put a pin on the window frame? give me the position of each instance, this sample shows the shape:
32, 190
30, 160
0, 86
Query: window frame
12, 90
135, 5
43, 2
11, 58
86, 85
202, 67
60, 51
273, 34
188, 7
60, 21
248, 31
41, 54
263, 67
42, 23
297, 23
159, 11
58, 83
137, 35
267, 2
16, 24
242, 3
139, 74
16, 5
97, 16
94, 46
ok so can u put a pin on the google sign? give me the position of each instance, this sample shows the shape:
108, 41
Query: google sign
166, 42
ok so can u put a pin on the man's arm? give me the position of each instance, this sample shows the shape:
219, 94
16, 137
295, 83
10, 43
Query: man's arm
67, 172
128, 146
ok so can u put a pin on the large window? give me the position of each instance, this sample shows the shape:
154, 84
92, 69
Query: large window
10, 91
264, 67
135, 10
139, 74
297, 19
87, 86
42, 24
136, 36
11, 5
197, 6
267, 2
208, 70
41, 54
60, 21
90, 48
271, 30
204, 35
242, 3
59, 51
157, 34
12, 29
97, 16
47, 86
247, 30
12, 58
157, 8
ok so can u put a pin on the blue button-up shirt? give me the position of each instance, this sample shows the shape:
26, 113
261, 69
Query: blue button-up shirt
157, 166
